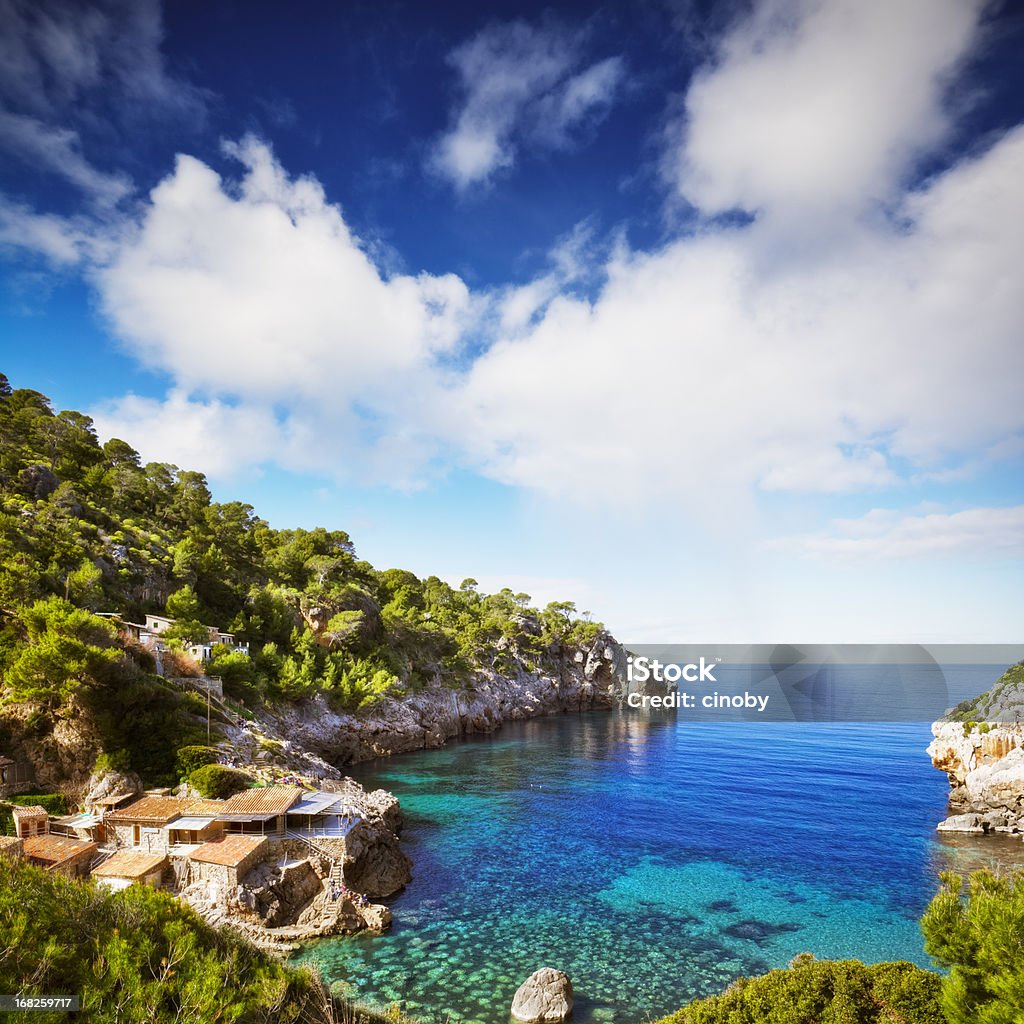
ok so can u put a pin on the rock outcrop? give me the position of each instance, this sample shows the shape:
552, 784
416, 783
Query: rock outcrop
435, 715
546, 995
980, 747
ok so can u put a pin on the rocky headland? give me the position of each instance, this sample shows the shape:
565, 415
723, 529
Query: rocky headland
980, 747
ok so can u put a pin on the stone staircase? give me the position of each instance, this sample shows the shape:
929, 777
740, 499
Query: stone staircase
336, 871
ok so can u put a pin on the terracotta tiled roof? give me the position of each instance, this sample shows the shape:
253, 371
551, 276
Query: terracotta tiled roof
270, 800
130, 864
55, 849
230, 851
9, 843
157, 810
30, 811
204, 807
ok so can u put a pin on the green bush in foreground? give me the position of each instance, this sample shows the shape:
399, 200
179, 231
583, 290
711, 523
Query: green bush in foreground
139, 955
216, 781
980, 939
824, 992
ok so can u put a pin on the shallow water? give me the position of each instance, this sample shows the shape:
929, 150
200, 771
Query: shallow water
652, 859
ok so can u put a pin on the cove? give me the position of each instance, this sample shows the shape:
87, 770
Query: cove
653, 859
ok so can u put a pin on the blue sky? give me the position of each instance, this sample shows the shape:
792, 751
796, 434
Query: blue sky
706, 316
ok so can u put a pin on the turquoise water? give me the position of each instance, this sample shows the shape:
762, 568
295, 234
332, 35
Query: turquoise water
652, 859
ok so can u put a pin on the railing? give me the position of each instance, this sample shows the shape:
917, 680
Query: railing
336, 872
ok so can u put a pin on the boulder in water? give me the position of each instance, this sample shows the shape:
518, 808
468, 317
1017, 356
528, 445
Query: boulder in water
546, 996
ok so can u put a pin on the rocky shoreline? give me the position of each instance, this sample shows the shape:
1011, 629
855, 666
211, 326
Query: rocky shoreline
980, 747
308, 743
435, 715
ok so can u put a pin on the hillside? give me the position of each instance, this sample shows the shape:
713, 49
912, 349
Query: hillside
315, 633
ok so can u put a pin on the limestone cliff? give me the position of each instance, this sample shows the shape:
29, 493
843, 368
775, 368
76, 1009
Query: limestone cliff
435, 715
980, 747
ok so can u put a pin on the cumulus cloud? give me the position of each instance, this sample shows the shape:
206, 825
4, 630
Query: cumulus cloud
722, 363
696, 362
816, 105
518, 82
219, 438
690, 363
257, 291
886, 534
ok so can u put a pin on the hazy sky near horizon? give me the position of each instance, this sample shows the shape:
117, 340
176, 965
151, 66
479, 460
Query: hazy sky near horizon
707, 316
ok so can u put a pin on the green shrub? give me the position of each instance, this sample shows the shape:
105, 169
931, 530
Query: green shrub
824, 992
140, 955
113, 761
976, 934
216, 781
191, 758
52, 803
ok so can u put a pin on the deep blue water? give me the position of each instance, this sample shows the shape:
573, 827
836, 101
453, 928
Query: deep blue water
653, 859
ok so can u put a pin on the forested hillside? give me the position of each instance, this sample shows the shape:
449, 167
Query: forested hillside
86, 527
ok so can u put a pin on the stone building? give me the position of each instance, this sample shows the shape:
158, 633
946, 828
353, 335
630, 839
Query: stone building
14, 777
30, 821
141, 824
259, 812
60, 854
227, 861
130, 867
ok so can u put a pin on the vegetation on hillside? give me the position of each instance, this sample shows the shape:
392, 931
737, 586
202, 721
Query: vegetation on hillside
1003, 702
86, 527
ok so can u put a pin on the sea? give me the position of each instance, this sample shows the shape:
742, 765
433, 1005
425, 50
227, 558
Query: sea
654, 858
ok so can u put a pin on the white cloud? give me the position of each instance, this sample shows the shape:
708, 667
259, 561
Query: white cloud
884, 534
66, 67
59, 240
696, 374
725, 362
519, 81
820, 104
58, 149
700, 363
54, 54
258, 292
213, 437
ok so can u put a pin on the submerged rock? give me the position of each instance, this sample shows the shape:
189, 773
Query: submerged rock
546, 995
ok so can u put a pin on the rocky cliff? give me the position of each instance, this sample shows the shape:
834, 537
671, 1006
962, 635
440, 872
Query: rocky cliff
980, 747
435, 715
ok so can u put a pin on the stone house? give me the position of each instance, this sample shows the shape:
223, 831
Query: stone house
14, 776
131, 867
226, 861
60, 854
141, 824
30, 821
